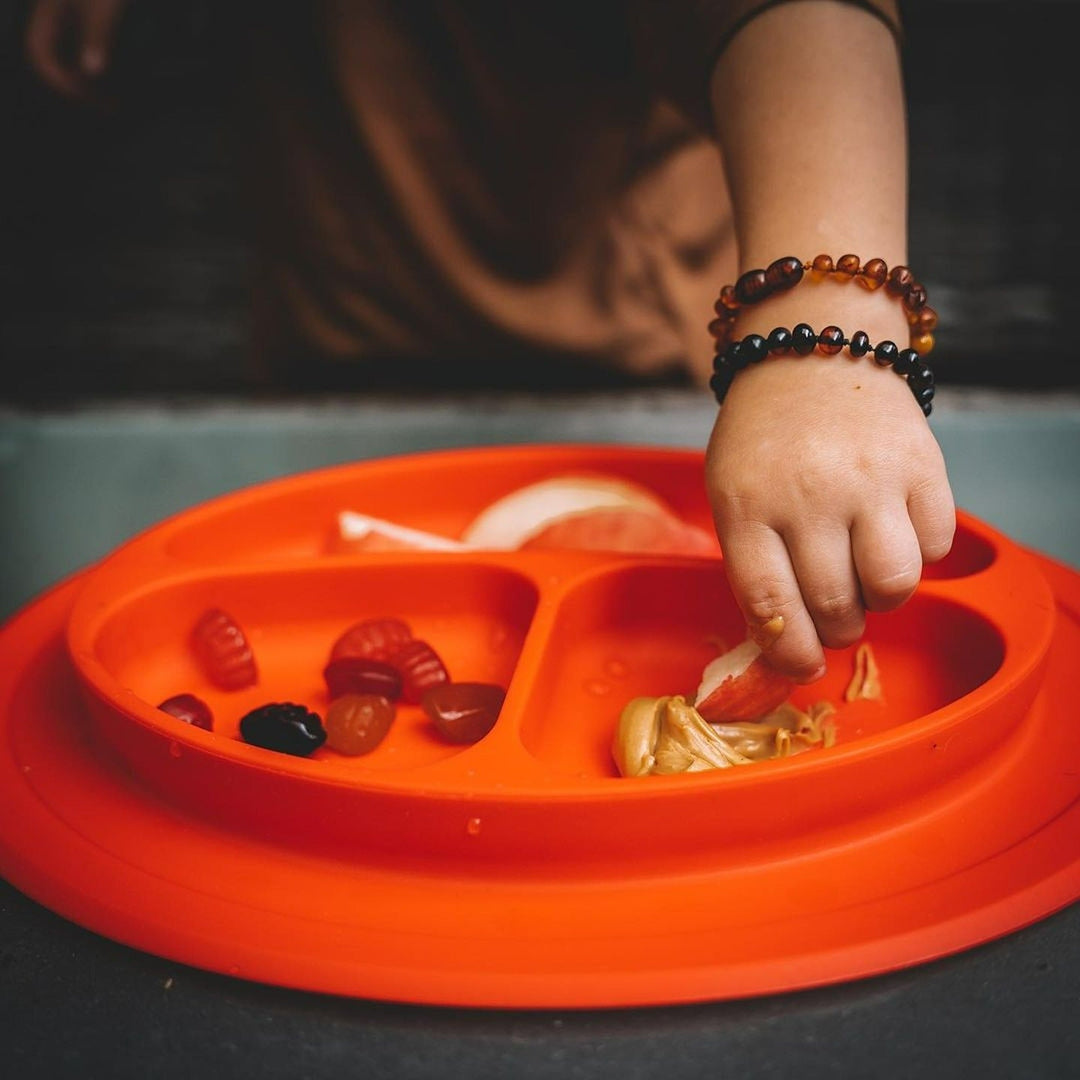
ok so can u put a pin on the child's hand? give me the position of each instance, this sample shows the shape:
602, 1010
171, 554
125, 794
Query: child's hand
829, 493
68, 42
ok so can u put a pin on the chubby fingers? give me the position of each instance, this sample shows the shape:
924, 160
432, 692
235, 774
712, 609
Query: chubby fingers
761, 575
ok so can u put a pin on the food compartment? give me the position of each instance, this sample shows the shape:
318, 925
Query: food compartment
474, 616
438, 493
649, 630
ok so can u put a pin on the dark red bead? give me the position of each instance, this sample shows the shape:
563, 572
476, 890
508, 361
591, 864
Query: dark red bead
899, 280
784, 273
914, 297
830, 341
754, 348
752, 287
780, 341
859, 344
803, 339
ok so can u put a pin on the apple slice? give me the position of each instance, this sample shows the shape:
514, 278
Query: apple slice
509, 522
624, 528
740, 686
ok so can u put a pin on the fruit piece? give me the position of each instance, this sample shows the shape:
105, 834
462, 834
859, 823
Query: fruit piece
223, 651
464, 712
625, 528
421, 668
358, 675
513, 519
361, 532
740, 685
190, 709
375, 639
356, 723
285, 727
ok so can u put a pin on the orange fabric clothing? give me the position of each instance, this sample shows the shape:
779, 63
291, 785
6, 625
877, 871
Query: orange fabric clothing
466, 184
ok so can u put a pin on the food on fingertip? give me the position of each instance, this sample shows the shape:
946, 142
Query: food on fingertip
190, 709
223, 651
463, 712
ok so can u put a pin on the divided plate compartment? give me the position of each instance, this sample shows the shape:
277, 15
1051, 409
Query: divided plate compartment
525, 854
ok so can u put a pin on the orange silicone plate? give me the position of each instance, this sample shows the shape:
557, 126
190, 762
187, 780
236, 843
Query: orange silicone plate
522, 871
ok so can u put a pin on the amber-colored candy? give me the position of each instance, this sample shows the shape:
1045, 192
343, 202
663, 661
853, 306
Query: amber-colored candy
356, 723
727, 303
873, 274
847, 266
830, 341
821, 267
922, 343
223, 650
898, 282
784, 273
374, 639
914, 297
464, 712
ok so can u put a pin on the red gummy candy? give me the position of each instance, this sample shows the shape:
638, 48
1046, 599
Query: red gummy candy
190, 709
373, 639
223, 651
357, 675
421, 669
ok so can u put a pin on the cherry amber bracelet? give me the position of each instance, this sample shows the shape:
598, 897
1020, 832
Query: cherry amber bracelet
907, 363
786, 273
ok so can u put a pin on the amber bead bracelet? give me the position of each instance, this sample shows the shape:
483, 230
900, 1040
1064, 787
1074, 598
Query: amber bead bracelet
786, 273
907, 363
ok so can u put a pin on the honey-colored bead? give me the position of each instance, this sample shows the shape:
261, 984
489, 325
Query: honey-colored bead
830, 341
847, 266
922, 343
821, 267
873, 274
924, 320
726, 303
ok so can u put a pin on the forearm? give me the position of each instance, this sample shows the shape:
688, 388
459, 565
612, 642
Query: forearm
809, 110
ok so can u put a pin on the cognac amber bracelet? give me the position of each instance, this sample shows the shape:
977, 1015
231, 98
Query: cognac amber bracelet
907, 363
786, 273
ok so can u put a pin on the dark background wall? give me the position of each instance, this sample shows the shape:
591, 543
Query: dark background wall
124, 252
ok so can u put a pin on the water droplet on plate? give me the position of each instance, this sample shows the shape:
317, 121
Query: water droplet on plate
174, 749
598, 687
472, 826
616, 669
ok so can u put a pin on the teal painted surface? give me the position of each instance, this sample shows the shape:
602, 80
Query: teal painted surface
74, 485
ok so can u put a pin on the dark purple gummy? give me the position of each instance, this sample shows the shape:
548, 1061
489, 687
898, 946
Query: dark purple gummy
285, 727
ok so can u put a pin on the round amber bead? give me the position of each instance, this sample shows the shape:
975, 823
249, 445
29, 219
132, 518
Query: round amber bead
922, 343
847, 266
924, 320
830, 341
873, 274
821, 267
726, 303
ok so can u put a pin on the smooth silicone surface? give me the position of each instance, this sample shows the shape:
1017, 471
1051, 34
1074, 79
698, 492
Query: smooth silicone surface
522, 871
